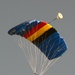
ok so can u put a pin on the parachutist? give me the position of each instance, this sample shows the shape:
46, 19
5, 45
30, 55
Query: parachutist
35, 74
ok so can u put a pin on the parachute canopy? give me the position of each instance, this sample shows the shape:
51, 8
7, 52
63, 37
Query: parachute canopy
43, 35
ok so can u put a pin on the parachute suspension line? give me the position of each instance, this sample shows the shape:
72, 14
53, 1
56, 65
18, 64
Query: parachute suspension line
42, 62
49, 65
38, 53
53, 60
46, 62
28, 53
41, 50
34, 55
26, 48
37, 60
52, 20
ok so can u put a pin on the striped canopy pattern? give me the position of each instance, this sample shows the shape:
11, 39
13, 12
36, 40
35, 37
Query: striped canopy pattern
43, 35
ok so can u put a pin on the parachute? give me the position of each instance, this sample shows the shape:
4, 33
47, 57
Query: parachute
43, 43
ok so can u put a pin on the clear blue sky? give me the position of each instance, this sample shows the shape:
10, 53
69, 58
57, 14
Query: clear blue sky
13, 12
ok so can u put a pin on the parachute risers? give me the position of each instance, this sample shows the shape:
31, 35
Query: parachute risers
35, 74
